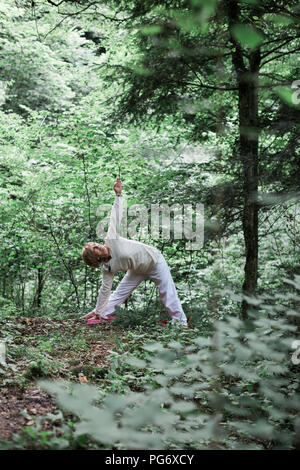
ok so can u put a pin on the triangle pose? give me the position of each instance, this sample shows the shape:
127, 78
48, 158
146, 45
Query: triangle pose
140, 261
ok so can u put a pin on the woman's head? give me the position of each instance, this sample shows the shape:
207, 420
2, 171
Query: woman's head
93, 254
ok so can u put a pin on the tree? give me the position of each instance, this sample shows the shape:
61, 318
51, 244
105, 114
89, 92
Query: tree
188, 51
204, 71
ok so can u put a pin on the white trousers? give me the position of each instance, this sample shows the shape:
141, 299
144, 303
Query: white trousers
162, 277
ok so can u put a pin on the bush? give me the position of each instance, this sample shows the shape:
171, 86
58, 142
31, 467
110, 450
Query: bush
237, 389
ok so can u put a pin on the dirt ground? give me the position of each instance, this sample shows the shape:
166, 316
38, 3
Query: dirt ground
21, 405
12, 402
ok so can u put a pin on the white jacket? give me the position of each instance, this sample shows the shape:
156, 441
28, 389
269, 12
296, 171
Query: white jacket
125, 255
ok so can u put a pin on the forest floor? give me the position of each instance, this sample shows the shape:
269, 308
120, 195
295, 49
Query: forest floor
47, 348
40, 348
116, 358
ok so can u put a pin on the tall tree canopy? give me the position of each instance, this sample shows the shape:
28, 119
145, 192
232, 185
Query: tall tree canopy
223, 72
226, 66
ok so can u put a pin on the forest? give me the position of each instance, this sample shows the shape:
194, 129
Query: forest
195, 106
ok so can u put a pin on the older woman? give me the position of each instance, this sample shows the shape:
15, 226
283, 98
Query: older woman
140, 261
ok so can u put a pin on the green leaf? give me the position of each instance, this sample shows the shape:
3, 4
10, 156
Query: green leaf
137, 363
282, 19
247, 36
183, 406
251, 2
288, 95
151, 30
139, 70
151, 347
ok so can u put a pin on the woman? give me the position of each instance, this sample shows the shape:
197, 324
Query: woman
140, 261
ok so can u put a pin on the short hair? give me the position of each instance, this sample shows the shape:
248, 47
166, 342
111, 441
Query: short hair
89, 256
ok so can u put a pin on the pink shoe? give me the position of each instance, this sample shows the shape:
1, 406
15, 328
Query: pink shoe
101, 320
163, 323
190, 324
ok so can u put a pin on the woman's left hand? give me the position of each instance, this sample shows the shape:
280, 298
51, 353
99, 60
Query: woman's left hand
90, 315
118, 186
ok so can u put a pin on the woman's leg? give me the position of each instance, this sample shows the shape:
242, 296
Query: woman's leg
162, 277
129, 282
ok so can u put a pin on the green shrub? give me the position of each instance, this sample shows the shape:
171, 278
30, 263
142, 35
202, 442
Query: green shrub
237, 388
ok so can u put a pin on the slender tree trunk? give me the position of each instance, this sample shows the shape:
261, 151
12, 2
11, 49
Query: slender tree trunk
247, 78
22, 296
11, 285
40, 285
248, 116
3, 284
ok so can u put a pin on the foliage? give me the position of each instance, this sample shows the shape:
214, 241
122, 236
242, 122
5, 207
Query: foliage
149, 90
236, 389
61, 437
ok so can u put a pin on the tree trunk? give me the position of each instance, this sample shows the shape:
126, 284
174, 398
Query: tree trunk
247, 78
40, 278
248, 128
